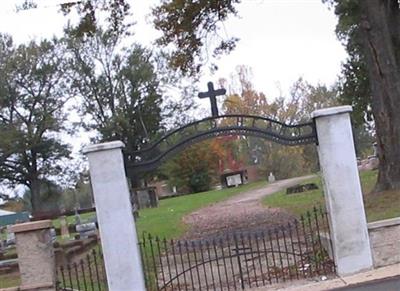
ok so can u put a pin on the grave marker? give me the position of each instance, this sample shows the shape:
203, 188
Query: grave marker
271, 178
86, 229
64, 227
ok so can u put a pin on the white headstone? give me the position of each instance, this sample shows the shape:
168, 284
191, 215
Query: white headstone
375, 147
234, 180
10, 238
64, 227
271, 178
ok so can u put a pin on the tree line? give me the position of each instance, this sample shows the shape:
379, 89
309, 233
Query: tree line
114, 89
117, 89
198, 167
370, 79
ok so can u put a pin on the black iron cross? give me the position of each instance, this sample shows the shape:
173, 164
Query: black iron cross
211, 93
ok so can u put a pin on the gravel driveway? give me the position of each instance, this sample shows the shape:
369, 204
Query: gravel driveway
243, 212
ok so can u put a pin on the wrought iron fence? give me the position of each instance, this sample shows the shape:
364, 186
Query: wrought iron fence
87, 274
240, 260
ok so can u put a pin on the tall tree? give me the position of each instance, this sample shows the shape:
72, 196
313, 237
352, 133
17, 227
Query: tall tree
304, 98
371, 33
192, 170
119, 89
193, 27
91, 13
32, 98
242, 96
372, 25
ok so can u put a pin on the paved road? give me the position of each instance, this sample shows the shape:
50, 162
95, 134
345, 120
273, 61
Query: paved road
390, 284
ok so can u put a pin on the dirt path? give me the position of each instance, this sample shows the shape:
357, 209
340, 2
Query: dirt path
242, 212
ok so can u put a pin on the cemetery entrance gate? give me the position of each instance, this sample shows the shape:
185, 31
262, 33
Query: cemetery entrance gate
330, 129
239, 260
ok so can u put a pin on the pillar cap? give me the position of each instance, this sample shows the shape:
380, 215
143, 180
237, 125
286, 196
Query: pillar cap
331, 111
103, 146
31, 226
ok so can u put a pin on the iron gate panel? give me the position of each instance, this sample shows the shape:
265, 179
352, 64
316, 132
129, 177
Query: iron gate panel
241, 260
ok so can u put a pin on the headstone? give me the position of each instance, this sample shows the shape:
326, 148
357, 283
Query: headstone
234, 180
77, 217
2, 242
86, 229
146, 197
218, 187
375, 147
174, 190
53, 234
64, 227
271, 178
92, 219
10, 238
301, 188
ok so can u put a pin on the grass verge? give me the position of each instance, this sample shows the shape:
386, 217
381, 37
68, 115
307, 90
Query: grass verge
165, 220
378, 206
9, 280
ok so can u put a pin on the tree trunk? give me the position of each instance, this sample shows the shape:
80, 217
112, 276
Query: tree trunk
381, 35
35, 196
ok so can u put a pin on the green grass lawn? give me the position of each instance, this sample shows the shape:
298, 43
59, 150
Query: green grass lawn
378, 206
9, 280
166, 220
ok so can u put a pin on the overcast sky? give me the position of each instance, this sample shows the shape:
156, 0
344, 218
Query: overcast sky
281, 40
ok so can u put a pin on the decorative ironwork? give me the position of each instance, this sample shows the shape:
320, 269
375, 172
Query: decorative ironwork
150, 157
237, 261
87, 274
212, 93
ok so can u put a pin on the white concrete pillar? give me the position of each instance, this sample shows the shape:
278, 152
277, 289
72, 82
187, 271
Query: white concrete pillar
114, 214
344, 201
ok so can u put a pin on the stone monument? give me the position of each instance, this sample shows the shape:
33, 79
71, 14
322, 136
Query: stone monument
64, 227
271, 178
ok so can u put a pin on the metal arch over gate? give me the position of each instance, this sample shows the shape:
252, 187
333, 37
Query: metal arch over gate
173, 142
152, 156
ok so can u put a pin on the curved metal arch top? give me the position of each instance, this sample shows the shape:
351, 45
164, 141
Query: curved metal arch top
152, 156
